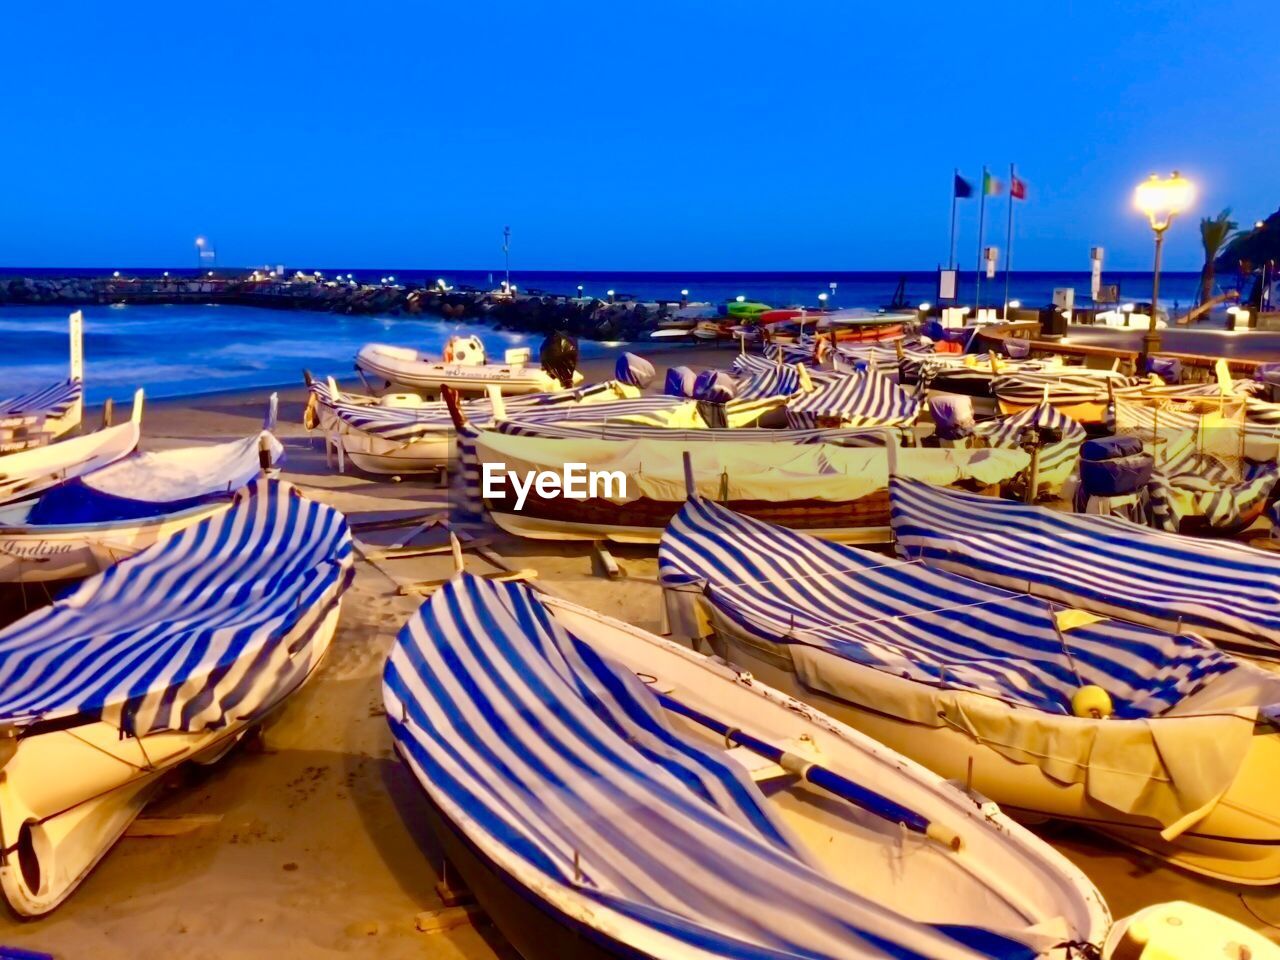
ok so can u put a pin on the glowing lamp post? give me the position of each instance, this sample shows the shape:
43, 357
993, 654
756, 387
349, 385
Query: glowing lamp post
1161, 200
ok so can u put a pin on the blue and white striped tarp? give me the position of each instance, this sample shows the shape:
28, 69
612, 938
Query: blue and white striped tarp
1060, 439
774, 381
1225, 591
855, 400
785, 587
1029, 387
205, 628
844, 436
50, 402
408, 423
562, 766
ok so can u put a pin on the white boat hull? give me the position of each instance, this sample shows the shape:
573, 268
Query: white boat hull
67, 795
401, 368
46, 554
1238, 840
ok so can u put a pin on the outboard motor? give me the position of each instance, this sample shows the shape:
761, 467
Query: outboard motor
635, 370
559, 356
952, 417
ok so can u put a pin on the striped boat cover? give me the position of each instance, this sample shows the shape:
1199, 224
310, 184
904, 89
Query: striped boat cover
406, 424
781, 586
53, 401
192, 633
562, 768
1060, 439
856, 400
843, 436
802, 352
1223, 590
1028, 387
773, 381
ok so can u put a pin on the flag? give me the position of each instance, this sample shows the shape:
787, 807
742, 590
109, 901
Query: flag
963, 187
990, 185
1017, 188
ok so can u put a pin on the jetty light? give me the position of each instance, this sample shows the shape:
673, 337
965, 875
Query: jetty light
609, 292
925, 307
1015, 304
741, 298
1258, 224
116, 274
200, 241
822, 299
579, 290
392, 279
211, 273
166, 273
683, 293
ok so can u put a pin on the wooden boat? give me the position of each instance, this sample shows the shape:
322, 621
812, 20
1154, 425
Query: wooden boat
404, 434
82, 526
607, 793
41, 416
28, 472
835, 491
1156, 739
249, 606
1216, 589
403, 368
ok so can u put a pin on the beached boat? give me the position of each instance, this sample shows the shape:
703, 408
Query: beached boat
607, 793
403, 368
1159, 740
1225, 591
82, 526
39, 417
859, 399
28, 472
168, 656
1082, 394
831, 489
404, 434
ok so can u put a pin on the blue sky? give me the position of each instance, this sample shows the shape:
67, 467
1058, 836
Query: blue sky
656, 135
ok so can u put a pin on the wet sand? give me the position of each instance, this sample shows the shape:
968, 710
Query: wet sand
322, 848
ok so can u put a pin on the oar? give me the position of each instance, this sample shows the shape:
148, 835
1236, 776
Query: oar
820, 776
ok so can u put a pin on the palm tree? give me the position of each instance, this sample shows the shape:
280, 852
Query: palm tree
1215, 232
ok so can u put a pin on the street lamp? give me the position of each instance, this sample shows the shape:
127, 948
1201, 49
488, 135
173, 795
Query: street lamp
822, 301
1161, 200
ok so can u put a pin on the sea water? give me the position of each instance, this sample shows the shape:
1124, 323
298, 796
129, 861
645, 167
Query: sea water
188, 349
181, 350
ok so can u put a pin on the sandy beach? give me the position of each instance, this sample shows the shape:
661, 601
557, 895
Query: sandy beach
315, 843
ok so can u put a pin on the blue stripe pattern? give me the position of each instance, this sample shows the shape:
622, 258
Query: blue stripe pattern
51, 402
405, 424
1060, 436
780, 586
563, 768
190, 634
1225, 591
856, 400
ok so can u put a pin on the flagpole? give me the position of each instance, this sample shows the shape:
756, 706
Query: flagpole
982, 214
1008, 245
951, 262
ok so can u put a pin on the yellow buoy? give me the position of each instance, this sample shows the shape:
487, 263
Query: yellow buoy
1092, 701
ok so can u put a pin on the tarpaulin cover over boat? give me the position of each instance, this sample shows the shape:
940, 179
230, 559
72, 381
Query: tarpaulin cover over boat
1225, 591
925, 624
856, 400
52, 401
561, 767
654, 467
186, 635
407, 423
1059, 439
145, 485
998, 665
